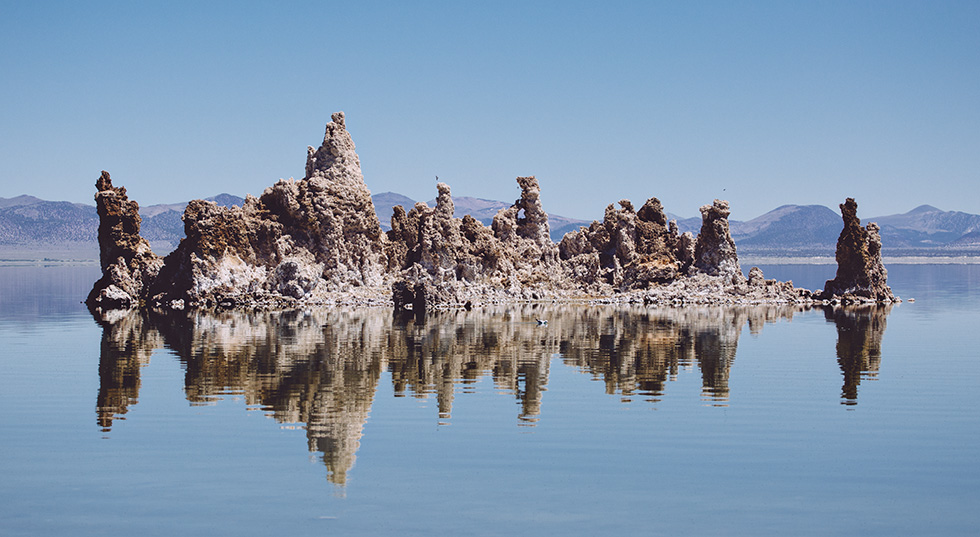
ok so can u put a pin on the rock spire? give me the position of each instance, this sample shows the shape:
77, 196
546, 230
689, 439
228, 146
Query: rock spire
441, 258
128, 263
318, 240
860, 271
299, 240
714, 252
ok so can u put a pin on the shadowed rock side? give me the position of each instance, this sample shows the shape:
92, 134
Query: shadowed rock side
128, 263
861, 275
319, 241
320, 369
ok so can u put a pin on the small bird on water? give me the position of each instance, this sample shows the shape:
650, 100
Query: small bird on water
542, 322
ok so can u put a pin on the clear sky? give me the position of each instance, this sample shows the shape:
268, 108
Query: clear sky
760, 103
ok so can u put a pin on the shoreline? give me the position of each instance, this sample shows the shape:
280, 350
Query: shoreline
751, 260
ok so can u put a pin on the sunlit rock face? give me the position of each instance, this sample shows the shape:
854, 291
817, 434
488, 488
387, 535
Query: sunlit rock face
318, 241
628, 249
861, 274
438, 243
128, 263
523, 226
299, 240
450, 260
714, 251
332, 210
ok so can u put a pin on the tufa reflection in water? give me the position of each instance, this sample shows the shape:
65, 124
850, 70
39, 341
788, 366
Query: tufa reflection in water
127, 344
859, 333
322, 367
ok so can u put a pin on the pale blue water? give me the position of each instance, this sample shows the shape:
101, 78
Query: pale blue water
752, 421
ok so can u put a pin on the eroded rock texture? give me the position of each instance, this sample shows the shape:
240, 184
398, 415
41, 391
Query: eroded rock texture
128, 263
628, 249
441, 259
333, 206
714, 251
861, 274
524, 225
300, 239
318, 240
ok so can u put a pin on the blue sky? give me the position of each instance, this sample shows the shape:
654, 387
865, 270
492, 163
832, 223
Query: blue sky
760, 103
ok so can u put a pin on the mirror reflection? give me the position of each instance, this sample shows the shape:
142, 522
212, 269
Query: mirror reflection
859, 333
321, 368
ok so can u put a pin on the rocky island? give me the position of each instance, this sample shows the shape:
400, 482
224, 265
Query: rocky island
318, 241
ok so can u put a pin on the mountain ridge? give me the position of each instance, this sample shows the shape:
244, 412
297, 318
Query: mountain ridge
796, 230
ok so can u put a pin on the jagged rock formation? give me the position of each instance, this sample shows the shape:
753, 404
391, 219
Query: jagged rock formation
319, 240
437, 242
334, 205
714, 252
441, 259
861, 275
128, 263
300, 239
511, 227
630, 250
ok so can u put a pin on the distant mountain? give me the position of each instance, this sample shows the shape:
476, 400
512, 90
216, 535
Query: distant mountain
19, 200
479, 208
692, 224
384, 202
560, 225
970, 241
928, 227
152, 210
813, 230
803, 229
226, 200
26, 221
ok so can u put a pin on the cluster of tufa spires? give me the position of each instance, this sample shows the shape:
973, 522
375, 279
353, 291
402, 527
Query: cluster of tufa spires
318, 240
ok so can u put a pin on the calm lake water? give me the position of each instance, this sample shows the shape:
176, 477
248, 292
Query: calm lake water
607, 421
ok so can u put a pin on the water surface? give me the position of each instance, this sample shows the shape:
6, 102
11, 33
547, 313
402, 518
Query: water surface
662, 421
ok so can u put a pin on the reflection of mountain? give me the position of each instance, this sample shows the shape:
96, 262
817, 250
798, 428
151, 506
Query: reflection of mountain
322, 367
859, 333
